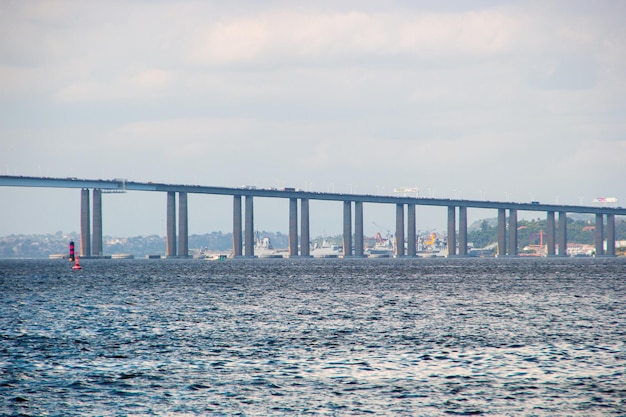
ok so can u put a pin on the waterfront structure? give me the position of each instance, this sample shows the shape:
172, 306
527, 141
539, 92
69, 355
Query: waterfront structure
243, 238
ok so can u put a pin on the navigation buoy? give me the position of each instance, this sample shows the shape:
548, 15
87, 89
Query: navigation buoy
71, 251
76, 266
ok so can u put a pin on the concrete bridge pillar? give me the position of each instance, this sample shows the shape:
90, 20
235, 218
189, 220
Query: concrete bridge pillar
183, 225
249, 229
358, 228
501, 232
96, 239
599, 234
85, 232
451, 231
411, 236
170, 249
463, 231
347, 229
551, 234
513, 232
237, 228
610, 234
399, 230
293, 227
305, 238
562, 234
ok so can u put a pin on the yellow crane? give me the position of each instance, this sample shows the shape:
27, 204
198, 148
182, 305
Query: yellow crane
431, 241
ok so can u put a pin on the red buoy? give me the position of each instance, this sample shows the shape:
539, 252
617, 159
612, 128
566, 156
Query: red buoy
76, 266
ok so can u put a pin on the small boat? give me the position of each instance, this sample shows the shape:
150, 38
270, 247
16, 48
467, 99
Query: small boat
215, 257
122, 256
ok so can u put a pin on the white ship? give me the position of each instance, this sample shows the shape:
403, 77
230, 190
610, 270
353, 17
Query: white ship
383, 248
326, 250
263, 248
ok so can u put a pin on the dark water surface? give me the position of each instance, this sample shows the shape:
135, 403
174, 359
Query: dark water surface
332, 337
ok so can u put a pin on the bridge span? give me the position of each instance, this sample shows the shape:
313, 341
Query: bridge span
91, 243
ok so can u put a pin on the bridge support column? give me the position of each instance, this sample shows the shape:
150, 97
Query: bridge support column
463, 231
610, 234
293, 227
562, 234
249, 230
237, 229
305, 237
358, 229
451, 231
347, 229
599, 234
411, 235
551, 234
183, 225
513, 232
85, 232
171, 224
96, 239
399, 230
501, 232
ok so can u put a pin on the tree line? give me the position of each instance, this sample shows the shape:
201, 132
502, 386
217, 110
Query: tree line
529, 232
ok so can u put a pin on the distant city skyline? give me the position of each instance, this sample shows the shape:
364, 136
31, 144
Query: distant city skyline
501, 100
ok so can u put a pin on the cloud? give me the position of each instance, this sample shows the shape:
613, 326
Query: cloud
149, 83
288, 37
564, 73
94, 52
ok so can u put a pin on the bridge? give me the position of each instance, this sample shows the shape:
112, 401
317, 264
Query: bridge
91, 243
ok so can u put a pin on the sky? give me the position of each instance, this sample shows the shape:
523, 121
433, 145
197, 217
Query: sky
496, 100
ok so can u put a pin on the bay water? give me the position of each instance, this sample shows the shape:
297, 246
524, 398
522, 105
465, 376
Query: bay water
329, 337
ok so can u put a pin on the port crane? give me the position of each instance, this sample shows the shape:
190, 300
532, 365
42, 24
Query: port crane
382, 228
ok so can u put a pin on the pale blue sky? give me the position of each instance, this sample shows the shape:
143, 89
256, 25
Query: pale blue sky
514, 100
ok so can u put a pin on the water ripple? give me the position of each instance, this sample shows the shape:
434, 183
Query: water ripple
316, 337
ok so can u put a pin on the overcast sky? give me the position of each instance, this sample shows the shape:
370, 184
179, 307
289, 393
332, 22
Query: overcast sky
499, 100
